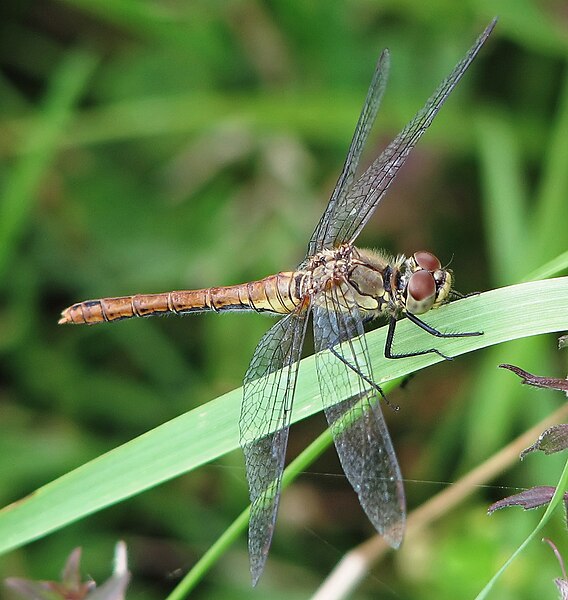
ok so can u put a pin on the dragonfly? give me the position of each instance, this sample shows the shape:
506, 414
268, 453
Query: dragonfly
341, 287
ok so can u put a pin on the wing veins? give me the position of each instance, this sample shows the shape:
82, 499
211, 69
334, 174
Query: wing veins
357, 206
362, 130
364, 446
264, 425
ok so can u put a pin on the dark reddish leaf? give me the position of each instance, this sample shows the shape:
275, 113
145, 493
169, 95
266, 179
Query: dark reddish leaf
536, 381
561, 582
528, 499
71, 575
49, 590
31, 590
554, 439
562, 586
71, 587
112, 589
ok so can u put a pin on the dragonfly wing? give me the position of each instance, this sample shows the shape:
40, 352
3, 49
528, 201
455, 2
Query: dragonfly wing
364, 125
269, 387
364, 446
354, 209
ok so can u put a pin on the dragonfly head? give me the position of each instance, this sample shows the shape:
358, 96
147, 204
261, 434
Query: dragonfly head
428, 285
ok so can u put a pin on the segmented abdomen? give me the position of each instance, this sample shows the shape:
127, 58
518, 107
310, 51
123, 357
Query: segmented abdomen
277, 294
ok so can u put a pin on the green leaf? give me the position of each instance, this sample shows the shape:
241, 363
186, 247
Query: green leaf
206, 433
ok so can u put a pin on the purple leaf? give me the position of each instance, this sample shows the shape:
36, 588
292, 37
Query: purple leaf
528, 499
551, 440
31, 590
536, 381
561, 582
562, 586
71, 587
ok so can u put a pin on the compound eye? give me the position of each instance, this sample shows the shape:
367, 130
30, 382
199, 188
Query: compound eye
427, 261
421, 293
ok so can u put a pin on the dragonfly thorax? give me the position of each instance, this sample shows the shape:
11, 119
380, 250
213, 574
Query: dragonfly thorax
376, 282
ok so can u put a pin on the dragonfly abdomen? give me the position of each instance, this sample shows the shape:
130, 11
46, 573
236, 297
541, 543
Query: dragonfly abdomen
276, 293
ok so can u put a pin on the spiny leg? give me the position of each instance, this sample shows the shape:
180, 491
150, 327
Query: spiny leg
431, 330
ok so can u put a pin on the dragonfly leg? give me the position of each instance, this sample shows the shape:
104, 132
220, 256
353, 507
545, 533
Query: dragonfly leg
390, 338
429, 329
455, 295
437, 333
364, 377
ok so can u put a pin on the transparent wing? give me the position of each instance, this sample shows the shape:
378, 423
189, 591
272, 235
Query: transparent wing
349, 214
364, 446
269, 387
364, 125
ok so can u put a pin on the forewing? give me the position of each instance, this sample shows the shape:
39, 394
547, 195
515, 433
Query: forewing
352, 211
364, 126
265, 418
364, 445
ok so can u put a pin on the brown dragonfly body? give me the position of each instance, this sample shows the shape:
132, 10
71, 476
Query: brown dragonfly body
276, 294
338, 287
378, 285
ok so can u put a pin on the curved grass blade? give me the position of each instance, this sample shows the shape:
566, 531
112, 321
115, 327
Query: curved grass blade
211, 430
556, 499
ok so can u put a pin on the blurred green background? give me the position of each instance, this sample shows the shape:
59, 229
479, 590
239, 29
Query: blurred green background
148, 146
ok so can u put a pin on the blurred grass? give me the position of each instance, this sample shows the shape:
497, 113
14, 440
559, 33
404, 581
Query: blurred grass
185, 159
39, 148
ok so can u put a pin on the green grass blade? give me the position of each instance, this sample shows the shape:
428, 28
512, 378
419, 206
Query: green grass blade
239, 525
554, 267
504, 195
210, 558
211, 430
292, 471
550, 219
556, 500
39, 147
141, 18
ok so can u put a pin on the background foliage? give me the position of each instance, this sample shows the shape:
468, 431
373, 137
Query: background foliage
149, 146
